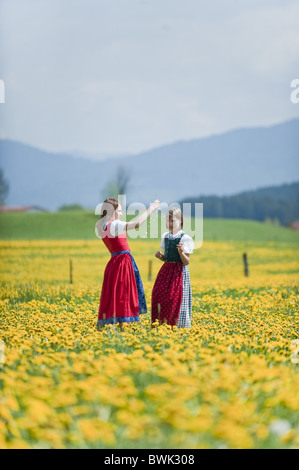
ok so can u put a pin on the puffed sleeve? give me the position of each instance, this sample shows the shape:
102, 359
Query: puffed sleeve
188, 244
163, 240
117, 227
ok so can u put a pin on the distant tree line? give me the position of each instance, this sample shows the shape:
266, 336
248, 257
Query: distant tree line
279, 205
71, 207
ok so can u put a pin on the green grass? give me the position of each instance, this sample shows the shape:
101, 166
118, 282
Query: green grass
79, 225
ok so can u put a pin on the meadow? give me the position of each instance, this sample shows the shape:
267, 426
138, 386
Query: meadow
230, 382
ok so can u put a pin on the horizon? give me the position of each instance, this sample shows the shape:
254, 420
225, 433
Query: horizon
131, 203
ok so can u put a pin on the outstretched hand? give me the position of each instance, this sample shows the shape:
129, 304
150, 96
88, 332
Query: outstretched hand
155, 204
137, 221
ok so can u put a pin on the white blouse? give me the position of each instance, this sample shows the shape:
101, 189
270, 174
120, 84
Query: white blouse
117, 227
187, 241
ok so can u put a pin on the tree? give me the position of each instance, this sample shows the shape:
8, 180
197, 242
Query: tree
119, 185
4, 188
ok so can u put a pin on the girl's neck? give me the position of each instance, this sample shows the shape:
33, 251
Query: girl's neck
174, 232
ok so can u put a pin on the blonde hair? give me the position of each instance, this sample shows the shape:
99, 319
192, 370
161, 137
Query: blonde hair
176, 213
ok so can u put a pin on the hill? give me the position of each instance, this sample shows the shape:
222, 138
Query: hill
79, 225
239, 160
280, 203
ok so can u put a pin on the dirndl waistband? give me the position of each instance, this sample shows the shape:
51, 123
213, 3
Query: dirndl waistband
120, 252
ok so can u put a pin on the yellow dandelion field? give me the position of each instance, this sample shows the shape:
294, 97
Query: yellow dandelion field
230, 382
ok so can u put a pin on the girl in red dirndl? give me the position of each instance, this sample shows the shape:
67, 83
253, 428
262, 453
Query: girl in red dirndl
122, 296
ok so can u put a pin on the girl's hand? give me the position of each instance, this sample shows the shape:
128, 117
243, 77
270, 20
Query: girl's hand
155, 204
180, 247
159, 255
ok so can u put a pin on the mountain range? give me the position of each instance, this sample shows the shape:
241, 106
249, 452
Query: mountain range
225, 164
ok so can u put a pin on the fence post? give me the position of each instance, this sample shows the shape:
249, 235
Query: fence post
150, 270
245, 264
71, 272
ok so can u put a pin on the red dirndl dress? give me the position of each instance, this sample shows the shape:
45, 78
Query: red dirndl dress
172, 295
121, 299
167, 293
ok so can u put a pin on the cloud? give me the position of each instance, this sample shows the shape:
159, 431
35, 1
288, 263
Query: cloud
130, 75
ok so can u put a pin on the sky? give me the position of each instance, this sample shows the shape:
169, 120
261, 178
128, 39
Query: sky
99, 78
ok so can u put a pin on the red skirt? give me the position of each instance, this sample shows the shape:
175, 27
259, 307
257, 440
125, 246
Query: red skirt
167, 293
119, 296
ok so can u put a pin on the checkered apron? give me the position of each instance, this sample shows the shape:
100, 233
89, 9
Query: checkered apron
184, 320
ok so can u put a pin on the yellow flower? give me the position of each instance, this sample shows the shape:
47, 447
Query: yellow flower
18, 444
64, 384
236, 436
38, 411
94, 429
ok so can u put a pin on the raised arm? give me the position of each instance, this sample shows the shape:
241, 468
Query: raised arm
135, 223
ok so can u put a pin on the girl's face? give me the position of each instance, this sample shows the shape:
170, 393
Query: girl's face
173, 224
118, 212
